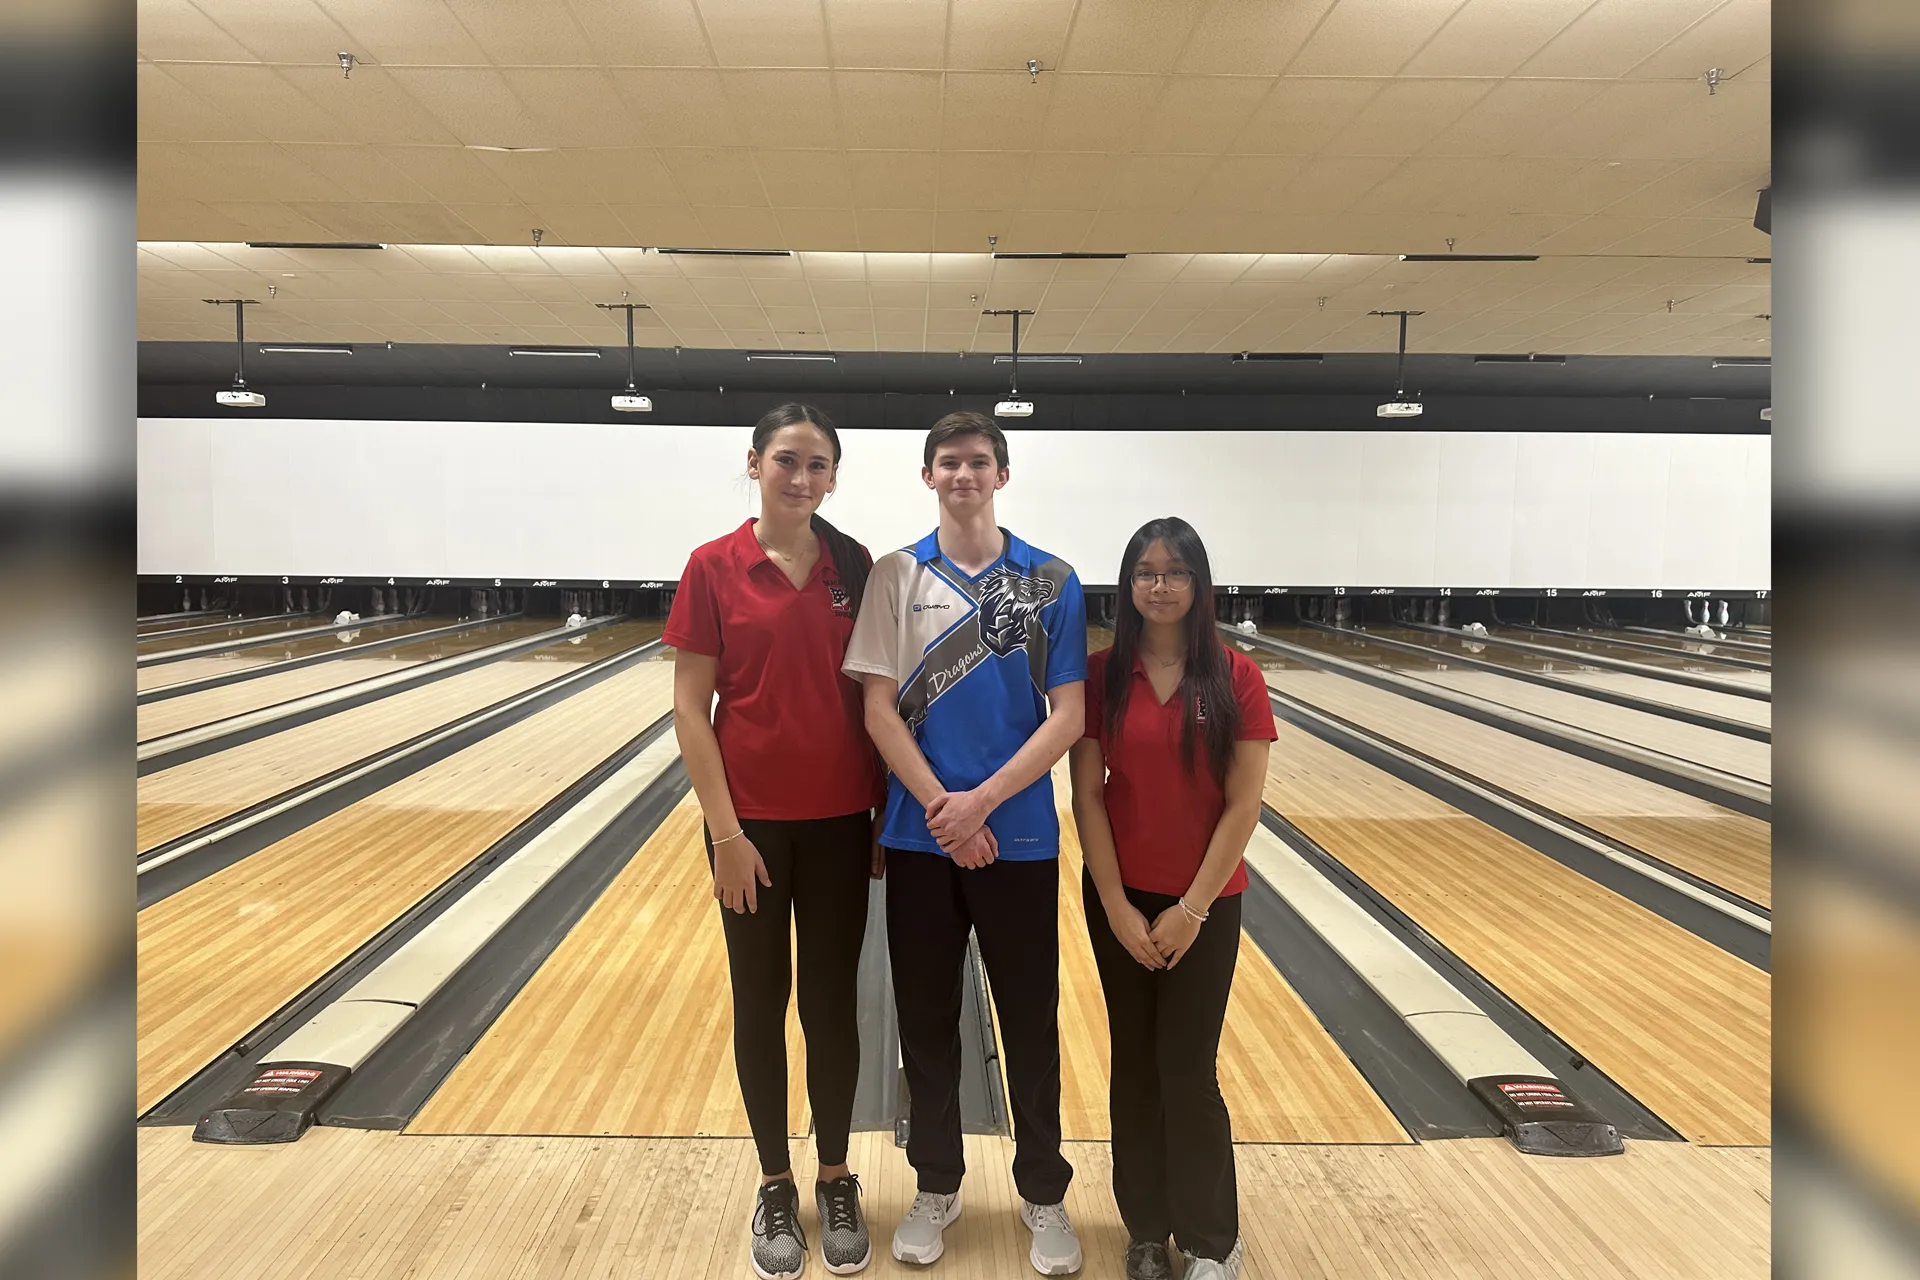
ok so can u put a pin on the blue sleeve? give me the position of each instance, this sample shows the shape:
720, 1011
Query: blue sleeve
1066, 623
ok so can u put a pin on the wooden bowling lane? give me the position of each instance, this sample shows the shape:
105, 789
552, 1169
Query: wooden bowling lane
1728, 706
343, 643
1720, 846
1284, 1077
1695, 663
1727, 752
1676, 1021
186, 797
1731, 647
251, 629
157, 719
627, 1029
220, 956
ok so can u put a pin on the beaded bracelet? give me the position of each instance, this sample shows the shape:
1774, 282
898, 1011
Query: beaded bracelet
1197, 915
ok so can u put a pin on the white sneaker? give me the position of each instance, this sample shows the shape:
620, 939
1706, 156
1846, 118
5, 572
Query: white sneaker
1209, 1269
917, 1238
1056, 1249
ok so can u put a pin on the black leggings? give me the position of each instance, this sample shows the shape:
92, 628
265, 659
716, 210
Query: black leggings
1172, 1137
819, 870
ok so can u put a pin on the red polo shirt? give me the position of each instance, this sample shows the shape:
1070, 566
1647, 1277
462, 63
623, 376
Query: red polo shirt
1162, 816
792, 729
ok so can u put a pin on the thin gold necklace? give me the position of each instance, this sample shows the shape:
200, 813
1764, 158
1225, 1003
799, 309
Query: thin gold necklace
1159, 661
773, 550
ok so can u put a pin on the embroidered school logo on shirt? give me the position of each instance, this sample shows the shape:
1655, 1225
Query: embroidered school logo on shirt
1008, 602
842, 601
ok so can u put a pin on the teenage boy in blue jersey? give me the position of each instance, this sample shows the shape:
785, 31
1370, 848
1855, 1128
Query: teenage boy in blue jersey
972, 646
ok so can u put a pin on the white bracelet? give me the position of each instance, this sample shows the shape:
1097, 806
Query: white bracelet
735, 836
1197, 915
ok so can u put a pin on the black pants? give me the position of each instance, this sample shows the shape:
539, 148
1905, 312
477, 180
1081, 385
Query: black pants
1172, 1137
1013, 908
819, 870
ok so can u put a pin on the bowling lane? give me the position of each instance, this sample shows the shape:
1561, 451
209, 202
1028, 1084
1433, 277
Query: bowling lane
220, 956
1675, 1020
1731, 647
174, 801
156, 719
1690, 664
579, 1049
252, 629
145, 627
1724, 848
1728, 706
1727, 752
222, 664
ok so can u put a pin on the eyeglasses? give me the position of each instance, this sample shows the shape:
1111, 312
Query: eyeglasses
1176, 579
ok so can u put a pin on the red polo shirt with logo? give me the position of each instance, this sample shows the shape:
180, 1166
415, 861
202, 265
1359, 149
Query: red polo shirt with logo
792, 729
1162, 816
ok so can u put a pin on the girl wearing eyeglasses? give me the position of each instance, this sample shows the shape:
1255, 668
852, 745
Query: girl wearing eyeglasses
1166, 791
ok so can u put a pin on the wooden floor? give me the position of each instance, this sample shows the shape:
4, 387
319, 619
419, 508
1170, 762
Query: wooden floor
1676, 1021
628, 1027
346, 1203
220, 956
1284, 1078
174, 801
1714, 748
1688, 645
1728, 706
1722, 847
157, 719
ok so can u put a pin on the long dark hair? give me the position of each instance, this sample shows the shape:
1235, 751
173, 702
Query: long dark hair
849, 561
1208, 677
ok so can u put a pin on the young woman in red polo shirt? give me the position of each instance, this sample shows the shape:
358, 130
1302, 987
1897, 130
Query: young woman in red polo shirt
788, 783
1166, 791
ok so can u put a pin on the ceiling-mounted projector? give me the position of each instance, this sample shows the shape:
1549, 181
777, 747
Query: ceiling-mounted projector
1400, 409
1013, 409
240, 399
633, 404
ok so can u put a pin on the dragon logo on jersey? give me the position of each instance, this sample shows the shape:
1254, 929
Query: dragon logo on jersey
1008, 602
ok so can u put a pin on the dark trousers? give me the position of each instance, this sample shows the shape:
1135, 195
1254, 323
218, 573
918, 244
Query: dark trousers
1172, 1137
1013, 908
820, 870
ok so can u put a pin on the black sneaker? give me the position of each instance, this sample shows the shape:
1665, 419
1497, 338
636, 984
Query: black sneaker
844, 1242
779, 1245
1148, 1260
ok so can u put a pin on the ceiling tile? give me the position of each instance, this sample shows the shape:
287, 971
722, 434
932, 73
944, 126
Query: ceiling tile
1126, 231
1518, 117
451, 175
176, 29
1100, 112
783, 108
1370, 37
741, 228
1244, 184
805, 179
474, 104
358, 173
980, 179
421, 33
1048, 231
580, 224
372, 107
899, 230
1202, 115
894, 179
515, 34
957, 232
293, 31
1163, 183
1128, 35
886, 33
1329, 184
171, 112
679, 107
257, 94
1406, 116
889, 109
706, 176
674, 225
1300, 116
984, 111
643, 33
1493, 37
766, 33
574, 106
1004, 34
1249, 37
1615, 36
828, 229
1069, 181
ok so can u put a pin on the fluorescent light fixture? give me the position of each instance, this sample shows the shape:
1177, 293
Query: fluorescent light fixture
820, 357
335, 350
1061, 257
1038, 359
1277, 357
1526, 359
730, 253
1744, 362
1469, 257
583, 353
1013, 409
313, 244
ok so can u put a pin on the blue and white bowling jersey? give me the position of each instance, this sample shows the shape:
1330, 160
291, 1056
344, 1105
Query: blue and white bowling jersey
975, 658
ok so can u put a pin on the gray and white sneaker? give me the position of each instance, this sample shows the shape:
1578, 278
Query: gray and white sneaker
1227, 1268
844, 1243
917, 1238
779, 1245
1056, 1250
